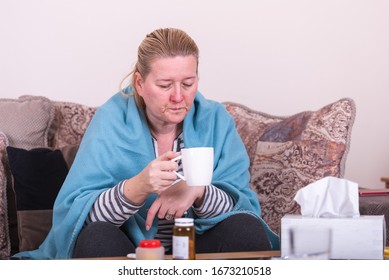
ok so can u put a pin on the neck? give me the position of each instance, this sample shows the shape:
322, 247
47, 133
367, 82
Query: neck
170, 131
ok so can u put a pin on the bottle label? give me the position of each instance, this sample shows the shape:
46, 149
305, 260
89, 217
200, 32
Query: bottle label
181, 247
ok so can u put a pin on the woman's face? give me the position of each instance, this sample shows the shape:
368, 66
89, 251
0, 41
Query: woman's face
169, 89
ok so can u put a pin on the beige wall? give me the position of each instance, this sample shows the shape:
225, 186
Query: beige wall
279, 57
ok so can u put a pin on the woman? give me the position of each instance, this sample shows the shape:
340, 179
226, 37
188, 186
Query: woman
121, 188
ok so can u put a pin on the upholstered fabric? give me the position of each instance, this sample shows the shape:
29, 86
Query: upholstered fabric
26, 120
5, 244
69, 124
288, 153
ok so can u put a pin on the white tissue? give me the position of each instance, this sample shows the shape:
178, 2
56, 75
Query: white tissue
329, 197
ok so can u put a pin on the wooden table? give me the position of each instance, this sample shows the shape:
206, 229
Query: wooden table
264, 255
255, 255
220, 256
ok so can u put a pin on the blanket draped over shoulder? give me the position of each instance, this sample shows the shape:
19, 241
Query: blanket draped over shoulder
118, 145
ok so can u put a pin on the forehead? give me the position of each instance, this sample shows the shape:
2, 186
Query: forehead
174, 66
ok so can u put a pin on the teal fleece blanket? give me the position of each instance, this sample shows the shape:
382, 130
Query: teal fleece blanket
118, 145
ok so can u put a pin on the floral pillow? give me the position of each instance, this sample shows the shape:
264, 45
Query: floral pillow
69, 124
288, 153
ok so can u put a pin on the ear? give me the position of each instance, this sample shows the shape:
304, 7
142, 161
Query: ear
139, 83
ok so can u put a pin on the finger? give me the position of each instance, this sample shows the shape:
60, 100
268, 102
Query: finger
161, 175
176, 158
168, 165
163, 180
153, 210
169, 216
169, 175
163, 211
165, 184
169, 155
181, 213
165, 208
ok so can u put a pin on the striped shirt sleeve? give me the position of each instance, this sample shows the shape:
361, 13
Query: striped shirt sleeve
216, 202
112, 206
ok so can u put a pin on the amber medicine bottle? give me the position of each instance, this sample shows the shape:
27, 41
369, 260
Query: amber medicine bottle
184, 239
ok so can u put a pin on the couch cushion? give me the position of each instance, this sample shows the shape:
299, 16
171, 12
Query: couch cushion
5, 244
288, 153
26, 121
38, 175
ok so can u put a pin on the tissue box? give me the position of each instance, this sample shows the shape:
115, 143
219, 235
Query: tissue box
352, 238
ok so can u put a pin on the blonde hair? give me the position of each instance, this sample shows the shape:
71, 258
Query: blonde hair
161, 43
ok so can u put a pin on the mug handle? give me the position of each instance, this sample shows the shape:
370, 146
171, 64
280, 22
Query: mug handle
175, 172
179, 175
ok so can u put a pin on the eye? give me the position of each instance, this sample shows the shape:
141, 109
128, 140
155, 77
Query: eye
165, 86
187, 83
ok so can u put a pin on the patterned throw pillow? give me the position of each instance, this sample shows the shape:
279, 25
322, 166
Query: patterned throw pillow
69, 124
279, 170
288, 153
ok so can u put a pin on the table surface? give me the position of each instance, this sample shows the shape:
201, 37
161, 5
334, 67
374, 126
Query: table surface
256, 255
220, 256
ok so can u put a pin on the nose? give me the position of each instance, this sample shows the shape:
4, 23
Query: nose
176, 95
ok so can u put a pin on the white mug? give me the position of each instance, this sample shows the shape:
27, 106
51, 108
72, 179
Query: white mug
197, 164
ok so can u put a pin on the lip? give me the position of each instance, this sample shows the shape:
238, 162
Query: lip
176, 109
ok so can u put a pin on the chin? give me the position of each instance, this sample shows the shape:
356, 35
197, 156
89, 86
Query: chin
178, 118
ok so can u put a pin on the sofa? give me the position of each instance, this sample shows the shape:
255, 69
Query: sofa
39, 138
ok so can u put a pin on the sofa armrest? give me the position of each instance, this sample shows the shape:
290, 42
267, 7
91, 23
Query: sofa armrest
5, 243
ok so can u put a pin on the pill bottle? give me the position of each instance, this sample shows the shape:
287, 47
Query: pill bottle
184, 239
150, 250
